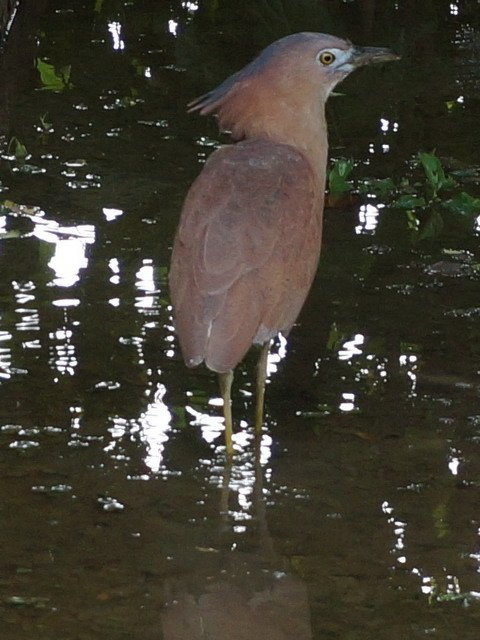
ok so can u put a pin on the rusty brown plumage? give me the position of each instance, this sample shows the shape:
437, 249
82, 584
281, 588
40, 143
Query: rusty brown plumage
250, 218
248, 242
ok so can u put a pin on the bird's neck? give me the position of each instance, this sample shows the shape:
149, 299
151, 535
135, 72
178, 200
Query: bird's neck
299, 126
307, 132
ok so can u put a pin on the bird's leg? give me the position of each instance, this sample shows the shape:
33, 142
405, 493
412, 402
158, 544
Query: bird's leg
225, 380
225, 494
261, 381
260, 510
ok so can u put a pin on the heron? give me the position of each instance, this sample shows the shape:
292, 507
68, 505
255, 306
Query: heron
248, 242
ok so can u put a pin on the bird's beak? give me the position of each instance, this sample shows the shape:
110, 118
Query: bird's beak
369, 55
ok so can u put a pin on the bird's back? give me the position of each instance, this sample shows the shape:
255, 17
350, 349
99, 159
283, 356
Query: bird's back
245, 252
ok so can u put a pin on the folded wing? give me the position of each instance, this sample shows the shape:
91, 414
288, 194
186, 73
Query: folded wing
245, 252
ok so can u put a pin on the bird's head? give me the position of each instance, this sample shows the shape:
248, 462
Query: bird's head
288, 79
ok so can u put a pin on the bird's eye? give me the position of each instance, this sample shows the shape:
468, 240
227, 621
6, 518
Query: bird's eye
326, 58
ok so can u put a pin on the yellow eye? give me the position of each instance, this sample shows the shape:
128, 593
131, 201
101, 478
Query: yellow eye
326, 58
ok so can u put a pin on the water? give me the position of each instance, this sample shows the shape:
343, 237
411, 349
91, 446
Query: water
357, 514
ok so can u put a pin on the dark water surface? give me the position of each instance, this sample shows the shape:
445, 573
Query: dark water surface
358, 514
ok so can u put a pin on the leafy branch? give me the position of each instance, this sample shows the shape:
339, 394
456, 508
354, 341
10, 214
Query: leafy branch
426, 193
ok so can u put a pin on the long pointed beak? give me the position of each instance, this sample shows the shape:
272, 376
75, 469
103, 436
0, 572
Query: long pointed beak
370, 55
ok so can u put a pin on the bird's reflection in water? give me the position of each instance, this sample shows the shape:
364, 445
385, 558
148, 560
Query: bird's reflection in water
238, 595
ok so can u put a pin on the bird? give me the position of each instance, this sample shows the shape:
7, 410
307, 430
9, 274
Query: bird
248, 241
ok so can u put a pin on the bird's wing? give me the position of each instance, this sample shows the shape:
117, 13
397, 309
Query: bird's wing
246, 219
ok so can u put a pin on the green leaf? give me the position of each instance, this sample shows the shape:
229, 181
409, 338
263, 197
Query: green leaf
380, 188
51, 79
468, 174
334, 338
434, 172
432, 228
46, 126
21, 601
8, 235
408, 201
413, 222
463, 204
18, 148
338, 175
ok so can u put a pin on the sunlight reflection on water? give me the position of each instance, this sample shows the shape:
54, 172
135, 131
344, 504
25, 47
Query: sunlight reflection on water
91, 372
155, 428
70, 248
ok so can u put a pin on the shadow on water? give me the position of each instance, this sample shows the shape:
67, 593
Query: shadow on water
357, 514
238, 594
